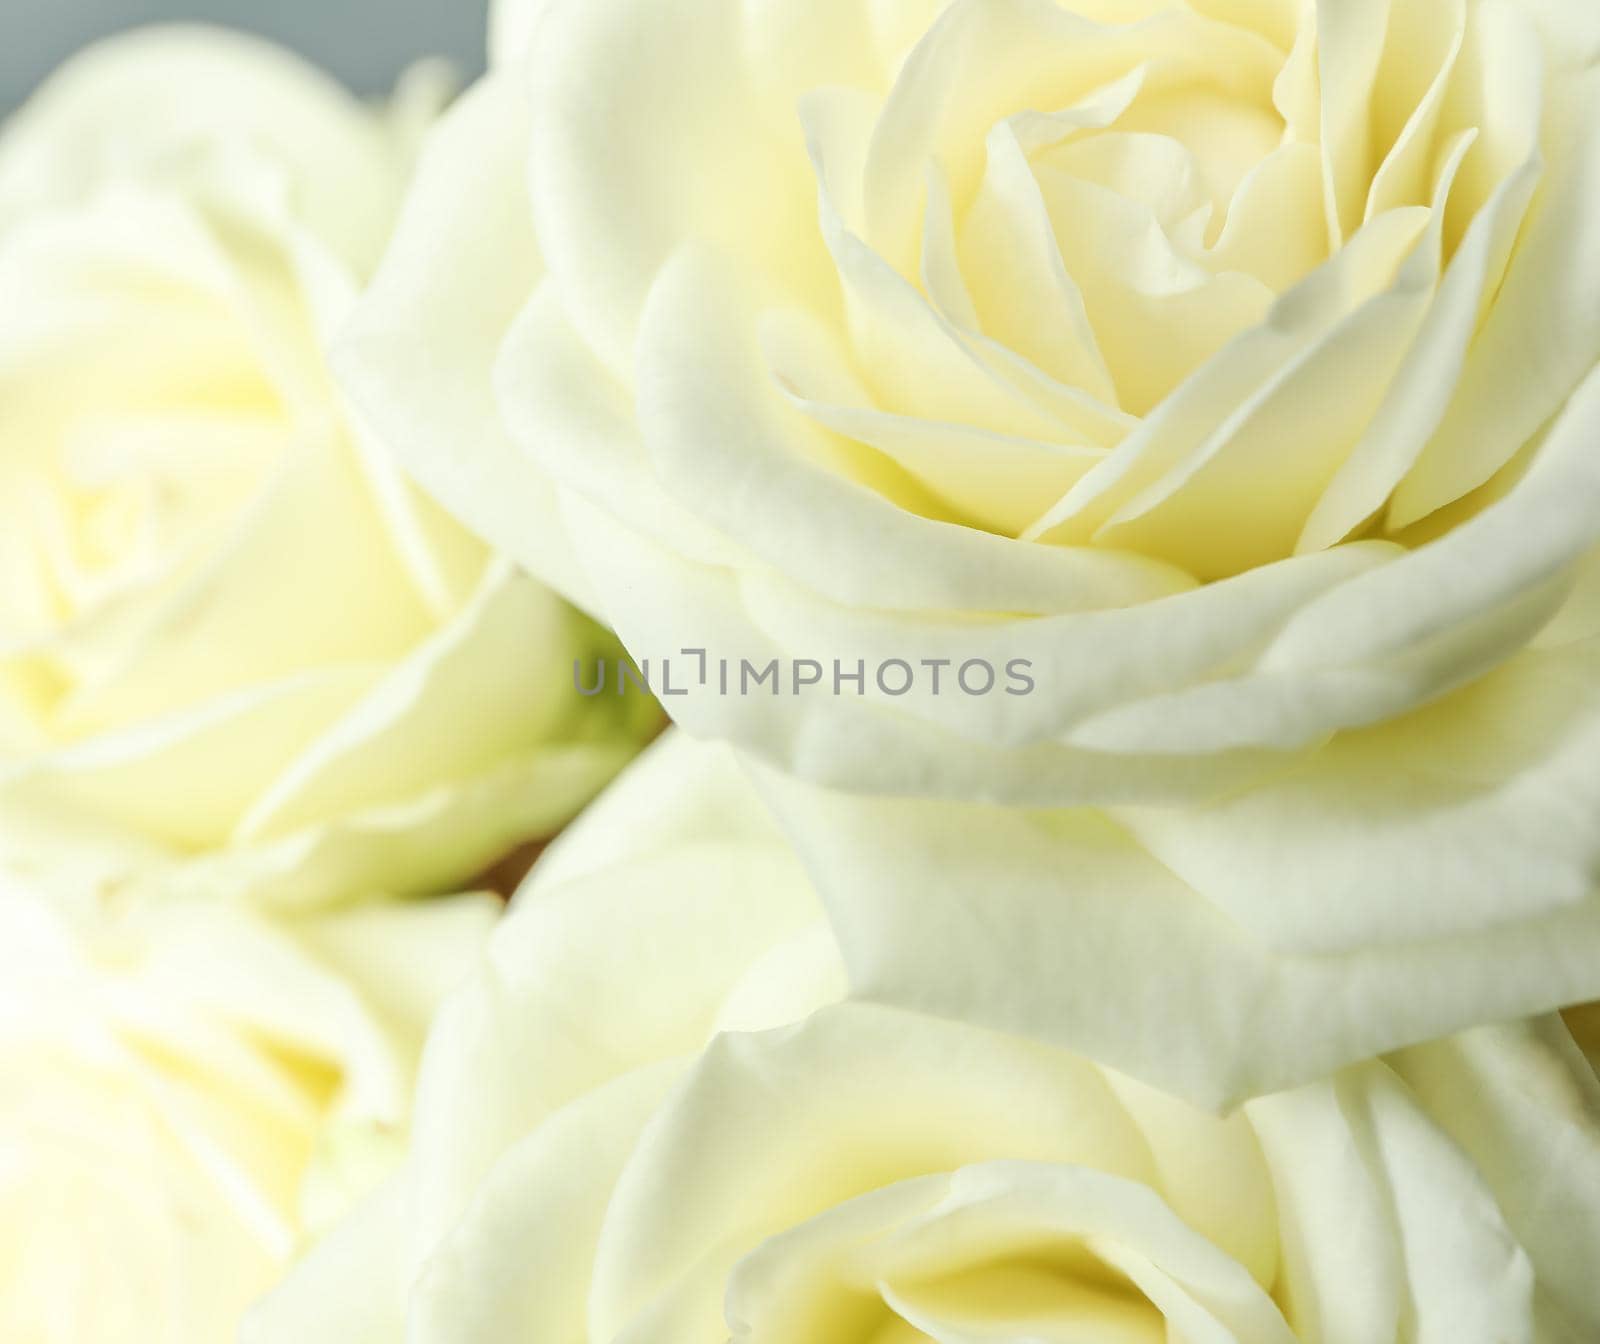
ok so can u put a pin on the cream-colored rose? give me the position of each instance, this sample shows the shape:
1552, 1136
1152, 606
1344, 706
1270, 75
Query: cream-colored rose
232, 638
1229, 364
1210, 356
1431, 874
648, 1121
187, 1090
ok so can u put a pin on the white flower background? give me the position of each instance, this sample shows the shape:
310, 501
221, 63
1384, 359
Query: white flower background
368, 368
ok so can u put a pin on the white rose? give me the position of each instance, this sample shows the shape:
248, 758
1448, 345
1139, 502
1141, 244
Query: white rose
232, 638
188, 1089
1231, 365
1413, 880
1211, 357
648, 1121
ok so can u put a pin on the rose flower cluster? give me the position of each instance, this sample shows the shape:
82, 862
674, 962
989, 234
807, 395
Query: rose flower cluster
1220, 377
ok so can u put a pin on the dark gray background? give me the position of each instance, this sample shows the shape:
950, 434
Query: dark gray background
365, 42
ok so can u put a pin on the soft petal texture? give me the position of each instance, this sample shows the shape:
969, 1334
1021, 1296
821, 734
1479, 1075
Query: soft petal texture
1228, 366
947, 322
124, 107
649, 1118
474, 224
1397, 885
239, 652
188, 1089
511, 27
